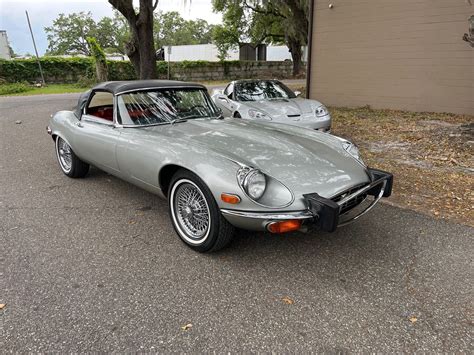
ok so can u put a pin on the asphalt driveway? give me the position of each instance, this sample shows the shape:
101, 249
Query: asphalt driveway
94, 265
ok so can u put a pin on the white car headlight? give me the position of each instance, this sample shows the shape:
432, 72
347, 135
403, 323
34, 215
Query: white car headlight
352, 149
258, 115
253, 182
321, 111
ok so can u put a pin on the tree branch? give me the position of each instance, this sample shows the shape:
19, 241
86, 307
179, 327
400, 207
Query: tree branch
260, 11
125, 7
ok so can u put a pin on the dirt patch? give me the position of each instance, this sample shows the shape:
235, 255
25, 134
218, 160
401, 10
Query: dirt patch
430, 155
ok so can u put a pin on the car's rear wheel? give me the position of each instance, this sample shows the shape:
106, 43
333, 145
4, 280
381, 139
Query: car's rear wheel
69, 163
195, 214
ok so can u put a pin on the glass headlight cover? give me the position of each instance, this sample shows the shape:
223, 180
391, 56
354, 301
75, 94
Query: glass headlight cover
253, 182
259, 115
321, 111
352, 149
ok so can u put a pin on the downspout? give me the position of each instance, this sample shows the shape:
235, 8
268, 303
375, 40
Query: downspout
310, 48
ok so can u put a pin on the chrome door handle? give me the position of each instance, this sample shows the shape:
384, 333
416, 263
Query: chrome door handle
79, 124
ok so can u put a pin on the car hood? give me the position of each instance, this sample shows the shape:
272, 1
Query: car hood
283, 108
304, 160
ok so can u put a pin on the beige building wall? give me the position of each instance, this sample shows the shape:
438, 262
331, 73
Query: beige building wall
399, 54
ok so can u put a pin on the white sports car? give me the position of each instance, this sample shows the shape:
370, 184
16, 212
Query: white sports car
271, 100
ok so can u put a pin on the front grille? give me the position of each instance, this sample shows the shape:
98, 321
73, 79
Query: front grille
296, 115
349, 205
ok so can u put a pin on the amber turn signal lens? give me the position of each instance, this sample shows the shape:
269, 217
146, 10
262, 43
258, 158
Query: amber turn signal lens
229, 198
284, 226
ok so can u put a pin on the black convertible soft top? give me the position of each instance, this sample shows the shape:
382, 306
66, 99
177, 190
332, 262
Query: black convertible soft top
117, 87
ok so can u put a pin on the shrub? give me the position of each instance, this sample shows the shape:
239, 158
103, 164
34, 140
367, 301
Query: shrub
85, 82
71, 70
55, 69
99, 59
15, 88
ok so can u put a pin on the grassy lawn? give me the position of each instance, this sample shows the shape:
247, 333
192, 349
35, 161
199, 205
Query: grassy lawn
50, 89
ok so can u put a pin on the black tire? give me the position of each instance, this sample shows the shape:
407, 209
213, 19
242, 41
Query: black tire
69, 163
237, 114
218, 232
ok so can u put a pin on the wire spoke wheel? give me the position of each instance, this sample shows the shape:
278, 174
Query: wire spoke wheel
191, 210
64, 155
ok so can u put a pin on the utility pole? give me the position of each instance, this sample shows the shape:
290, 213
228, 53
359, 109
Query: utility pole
169, 55
36, 51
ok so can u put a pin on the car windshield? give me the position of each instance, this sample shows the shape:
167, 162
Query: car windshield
262, 90
160, 106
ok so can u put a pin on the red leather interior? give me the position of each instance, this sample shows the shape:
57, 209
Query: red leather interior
105, 112
134, 114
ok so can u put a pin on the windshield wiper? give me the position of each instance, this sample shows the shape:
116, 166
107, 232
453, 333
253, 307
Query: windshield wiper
178, 120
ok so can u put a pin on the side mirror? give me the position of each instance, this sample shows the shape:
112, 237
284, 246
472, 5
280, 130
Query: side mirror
297, 93
217, 92
222, 98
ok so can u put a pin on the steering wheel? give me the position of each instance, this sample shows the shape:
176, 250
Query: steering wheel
197, 106
201, 109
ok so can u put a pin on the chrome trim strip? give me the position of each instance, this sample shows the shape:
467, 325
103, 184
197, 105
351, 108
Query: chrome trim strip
265, 215
374, 202
362, 190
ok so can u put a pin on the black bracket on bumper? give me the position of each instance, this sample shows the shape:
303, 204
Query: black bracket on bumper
380, 175
327, 212
324, 210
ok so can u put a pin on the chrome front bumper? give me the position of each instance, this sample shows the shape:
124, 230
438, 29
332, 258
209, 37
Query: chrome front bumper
322, 213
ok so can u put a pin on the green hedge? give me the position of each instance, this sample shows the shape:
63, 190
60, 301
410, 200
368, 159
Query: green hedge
61, 69
70, 70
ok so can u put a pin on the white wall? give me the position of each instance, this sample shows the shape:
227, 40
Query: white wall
4, 50
278, 53
207, 52
281, 53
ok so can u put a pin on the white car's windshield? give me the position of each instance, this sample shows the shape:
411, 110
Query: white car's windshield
161, 106
262, 90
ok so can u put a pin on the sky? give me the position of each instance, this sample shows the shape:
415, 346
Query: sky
43, 12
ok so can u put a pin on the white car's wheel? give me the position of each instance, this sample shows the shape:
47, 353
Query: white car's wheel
195, 214
69, 163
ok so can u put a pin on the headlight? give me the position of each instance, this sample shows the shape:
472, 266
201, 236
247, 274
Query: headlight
321, 111
252, 181
258, 115
352, 149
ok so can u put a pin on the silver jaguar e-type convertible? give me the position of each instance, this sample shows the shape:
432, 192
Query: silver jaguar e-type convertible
169, 138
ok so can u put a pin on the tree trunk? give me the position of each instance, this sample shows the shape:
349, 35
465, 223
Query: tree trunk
296, 56
141, 48
131, 51
147, 44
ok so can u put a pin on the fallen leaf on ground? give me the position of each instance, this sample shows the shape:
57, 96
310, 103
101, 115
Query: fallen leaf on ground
287, 300
187, 326
132, 222
413, 319
2, 305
